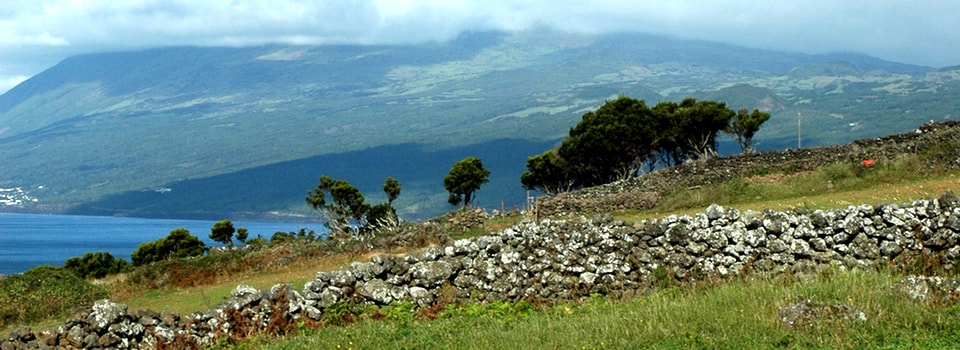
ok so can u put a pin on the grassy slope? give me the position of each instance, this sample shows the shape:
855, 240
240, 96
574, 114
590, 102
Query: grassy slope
740, 313
724, 314
730, 315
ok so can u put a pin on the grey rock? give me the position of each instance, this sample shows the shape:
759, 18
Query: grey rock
714, 212
313, 286
377, 291
342, 278
329, 296
949, 200
588, 278
106, 312
244, 295
421, 296
431, 273
366, 271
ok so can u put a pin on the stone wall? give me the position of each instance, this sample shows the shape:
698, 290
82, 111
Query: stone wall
552, 259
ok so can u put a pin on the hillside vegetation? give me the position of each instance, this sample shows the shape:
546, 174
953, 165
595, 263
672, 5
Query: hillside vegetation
102, 133
727, 313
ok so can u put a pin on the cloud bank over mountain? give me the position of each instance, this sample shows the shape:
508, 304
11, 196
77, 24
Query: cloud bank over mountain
36, 34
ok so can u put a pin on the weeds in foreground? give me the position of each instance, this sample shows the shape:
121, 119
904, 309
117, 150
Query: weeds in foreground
43, 292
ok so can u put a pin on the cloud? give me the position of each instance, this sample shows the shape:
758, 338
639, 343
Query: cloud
7, 83
919, 31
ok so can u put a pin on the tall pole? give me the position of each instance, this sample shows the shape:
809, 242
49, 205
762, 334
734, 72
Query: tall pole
799, 118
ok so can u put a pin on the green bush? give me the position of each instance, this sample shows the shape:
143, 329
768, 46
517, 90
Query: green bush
96, 265
44, 292
178, 244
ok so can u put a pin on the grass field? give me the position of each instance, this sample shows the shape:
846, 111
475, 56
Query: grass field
733, 313
737, 314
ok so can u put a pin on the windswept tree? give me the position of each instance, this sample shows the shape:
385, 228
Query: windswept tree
344, 209
669, 136
464, 179
383, 214
548, 173
619, 138
178, 244
745, 124
610, 143
222, 231
96, 265
699, 123
242, 235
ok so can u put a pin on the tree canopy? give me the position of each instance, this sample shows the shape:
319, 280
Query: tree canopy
392, 188
178, 244
610, 143
222, 231
96, 265
745, 125
464, 179
547, 173
617, 140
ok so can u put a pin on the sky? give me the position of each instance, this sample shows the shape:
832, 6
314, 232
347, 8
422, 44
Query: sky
36, 34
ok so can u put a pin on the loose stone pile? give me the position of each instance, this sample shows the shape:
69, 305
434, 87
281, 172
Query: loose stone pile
554, 259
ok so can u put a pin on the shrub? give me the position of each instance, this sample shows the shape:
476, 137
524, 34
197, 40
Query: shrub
44, 292
178, 244
96, 265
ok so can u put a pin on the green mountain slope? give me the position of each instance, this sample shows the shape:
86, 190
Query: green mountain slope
96, 130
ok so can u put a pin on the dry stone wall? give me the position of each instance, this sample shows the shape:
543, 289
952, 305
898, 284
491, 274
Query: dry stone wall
552, 259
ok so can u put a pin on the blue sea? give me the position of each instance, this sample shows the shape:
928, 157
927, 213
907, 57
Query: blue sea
30, 240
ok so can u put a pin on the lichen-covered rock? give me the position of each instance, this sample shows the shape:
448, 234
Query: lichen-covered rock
377, 291
431, 273
805, 313
106, 312
244, 295
927, 287
342, 278
421, 296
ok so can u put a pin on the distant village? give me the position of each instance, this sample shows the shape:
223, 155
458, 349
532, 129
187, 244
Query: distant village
15, 197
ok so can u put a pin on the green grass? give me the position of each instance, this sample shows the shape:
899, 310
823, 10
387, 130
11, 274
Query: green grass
819, 189
42, 293
727, 315
674, 316
739, 313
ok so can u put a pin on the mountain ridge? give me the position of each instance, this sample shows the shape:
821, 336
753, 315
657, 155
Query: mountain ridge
100, 125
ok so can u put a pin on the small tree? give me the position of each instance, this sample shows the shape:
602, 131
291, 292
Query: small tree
242, 235
745, 124
346, 211
392, 188
383, 214
96, 265
464, 179
178, 244
547, 172
346, 204
699, 123
222, 231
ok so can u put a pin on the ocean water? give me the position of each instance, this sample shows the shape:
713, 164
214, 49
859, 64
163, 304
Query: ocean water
30, 240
